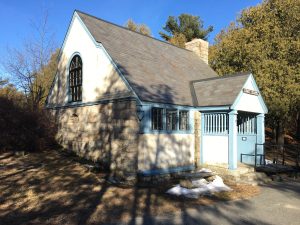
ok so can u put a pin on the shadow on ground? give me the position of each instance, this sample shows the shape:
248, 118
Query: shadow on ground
51, 188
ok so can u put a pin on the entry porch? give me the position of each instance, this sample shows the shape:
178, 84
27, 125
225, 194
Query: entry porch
234, 133
231, 138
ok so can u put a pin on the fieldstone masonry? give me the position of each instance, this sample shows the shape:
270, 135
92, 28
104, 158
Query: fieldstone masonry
199, 47
106, 133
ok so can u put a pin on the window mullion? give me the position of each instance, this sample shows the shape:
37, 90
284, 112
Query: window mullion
75, 79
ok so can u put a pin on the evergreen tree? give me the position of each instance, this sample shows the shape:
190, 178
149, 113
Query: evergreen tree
265, 40
179, 40
184, 27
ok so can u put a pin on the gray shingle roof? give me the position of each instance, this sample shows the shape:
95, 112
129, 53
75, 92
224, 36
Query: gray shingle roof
218, 91
157, 71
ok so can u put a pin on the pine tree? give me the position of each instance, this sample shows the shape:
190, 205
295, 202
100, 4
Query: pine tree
184, 28
265, 40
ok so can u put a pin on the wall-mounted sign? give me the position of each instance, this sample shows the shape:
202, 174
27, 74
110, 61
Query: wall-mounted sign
250, 92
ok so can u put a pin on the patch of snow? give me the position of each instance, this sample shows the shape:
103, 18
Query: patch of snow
202, 188
199, 183
268, 162
205, 170
189, 193
218, 185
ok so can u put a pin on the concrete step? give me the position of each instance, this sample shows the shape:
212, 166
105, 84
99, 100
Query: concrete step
245, 169
243, 174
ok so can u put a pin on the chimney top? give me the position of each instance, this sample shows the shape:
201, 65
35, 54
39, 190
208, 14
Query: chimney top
199, 47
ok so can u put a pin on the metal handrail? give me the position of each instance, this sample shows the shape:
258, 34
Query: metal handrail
262, 156
263, 153
278, 151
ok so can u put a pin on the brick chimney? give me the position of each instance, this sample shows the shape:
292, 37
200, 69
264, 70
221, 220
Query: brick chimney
200, 47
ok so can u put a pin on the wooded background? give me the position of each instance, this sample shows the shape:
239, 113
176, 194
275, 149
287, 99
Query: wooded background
264, 40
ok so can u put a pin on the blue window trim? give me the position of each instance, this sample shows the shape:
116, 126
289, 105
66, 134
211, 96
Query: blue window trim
82, 104
167, 105
146, 123
162, 119
219, 134
213, 108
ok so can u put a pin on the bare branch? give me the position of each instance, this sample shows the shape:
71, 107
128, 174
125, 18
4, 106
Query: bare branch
27, 65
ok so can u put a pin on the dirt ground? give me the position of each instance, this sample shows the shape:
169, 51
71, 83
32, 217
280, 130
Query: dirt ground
52, 188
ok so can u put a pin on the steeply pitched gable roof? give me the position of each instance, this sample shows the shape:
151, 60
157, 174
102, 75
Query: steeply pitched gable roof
218, 91
157, 71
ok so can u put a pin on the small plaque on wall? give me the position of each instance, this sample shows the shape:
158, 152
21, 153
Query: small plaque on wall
250, 92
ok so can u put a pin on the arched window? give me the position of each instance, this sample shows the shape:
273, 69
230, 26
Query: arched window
75, 79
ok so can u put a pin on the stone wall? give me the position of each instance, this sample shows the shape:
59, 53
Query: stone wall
106, 133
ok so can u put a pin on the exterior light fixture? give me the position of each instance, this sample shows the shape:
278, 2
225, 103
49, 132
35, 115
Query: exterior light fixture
140, 112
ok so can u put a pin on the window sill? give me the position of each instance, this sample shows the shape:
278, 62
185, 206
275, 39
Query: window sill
168, 132
207, 134
74, 103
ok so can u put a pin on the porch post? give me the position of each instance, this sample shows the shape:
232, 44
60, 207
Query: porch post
260, 129
197, 124
232, 140
201, 138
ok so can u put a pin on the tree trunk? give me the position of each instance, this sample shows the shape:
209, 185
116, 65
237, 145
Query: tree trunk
274, 136
298, 126
280, 133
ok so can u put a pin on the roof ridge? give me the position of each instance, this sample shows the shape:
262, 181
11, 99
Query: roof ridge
125, 28
222, 77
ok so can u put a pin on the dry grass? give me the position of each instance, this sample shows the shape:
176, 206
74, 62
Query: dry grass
241, 191
50, 188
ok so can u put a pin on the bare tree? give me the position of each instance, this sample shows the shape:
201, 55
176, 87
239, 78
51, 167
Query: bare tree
27, 66
3, 82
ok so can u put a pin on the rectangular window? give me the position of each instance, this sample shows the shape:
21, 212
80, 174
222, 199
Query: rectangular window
183, 120
157, 118
171, 118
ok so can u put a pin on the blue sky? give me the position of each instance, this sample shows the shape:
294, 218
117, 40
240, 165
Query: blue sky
16, 15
